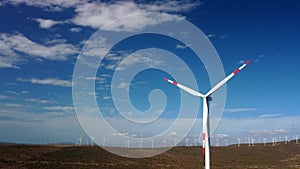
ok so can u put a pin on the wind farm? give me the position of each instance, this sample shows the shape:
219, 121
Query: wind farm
232, 156
149, 84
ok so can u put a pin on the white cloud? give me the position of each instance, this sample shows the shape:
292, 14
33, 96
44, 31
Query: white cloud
182, 46
40, 101
3, 97
53, 5
48, 81
106, 97
75, 29
221, 136
210, 35
123, 85
8, 58
96, 14
12, 105
47, 23
235, 110
59, 108
9, 62
170, 6
216, 36
267, 132
270, 115
241, 62
10, 45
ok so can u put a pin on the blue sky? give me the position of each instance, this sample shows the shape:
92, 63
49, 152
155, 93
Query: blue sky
40, 42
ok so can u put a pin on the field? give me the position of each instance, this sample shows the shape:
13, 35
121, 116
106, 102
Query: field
232, 157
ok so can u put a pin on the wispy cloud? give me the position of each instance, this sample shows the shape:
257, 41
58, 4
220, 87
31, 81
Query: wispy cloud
267, 132
59, 108
75, 29
12, 44
181, 46
40, 101
48, 81
270, 115
220, 136
216, 36
235, 110
3, 97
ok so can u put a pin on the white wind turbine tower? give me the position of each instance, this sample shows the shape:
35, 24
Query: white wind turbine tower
239, 141
217, 140
141, 143
152, 143
206, 99
79, 141
103, 141
195, 140
265, 141
249, 142
296, 138
273, 141
164, 142
92, 141
128, 144
187, 141
252, 141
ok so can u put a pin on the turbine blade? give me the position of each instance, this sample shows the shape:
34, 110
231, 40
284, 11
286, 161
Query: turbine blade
189, 90
221, 83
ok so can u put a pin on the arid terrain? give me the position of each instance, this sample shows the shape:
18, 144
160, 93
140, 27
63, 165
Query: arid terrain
232, 157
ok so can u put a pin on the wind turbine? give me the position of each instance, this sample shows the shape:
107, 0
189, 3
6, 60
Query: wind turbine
195, 140
206, 98
92, 141
164, 142
296, 139
141, 143
79, 141
152, 143
265, 141
187, 141
103, 142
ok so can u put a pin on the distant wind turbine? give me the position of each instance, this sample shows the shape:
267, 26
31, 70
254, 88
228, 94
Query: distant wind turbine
79, 141
92, 141
141, 143
296, 139
206, 99
239, 141
103, 141
187, 141
265, 141
164, 142
152, 143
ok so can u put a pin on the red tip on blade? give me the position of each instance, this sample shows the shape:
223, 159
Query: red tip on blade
236, 71
174, 83
203, 136
203, 151
249, 61
166, 79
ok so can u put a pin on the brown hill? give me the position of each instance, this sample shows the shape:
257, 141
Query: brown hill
232, 157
